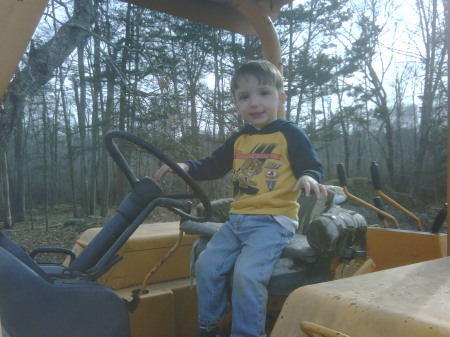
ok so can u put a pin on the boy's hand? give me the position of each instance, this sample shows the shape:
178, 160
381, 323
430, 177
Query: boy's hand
308, 183
163, 170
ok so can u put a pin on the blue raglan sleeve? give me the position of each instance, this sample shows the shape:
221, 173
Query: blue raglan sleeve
215, 166
303, 157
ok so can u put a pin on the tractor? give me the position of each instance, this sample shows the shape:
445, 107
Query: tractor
340, 276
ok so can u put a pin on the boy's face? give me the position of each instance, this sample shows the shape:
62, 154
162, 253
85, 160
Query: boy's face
257, 103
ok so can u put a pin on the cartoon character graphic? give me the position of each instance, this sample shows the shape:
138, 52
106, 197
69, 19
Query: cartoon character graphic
261, 160
250, 168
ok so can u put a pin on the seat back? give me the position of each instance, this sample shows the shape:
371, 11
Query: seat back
32, 304
310, 207
19, 253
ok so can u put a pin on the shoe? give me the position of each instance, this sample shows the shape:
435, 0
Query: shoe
211, 332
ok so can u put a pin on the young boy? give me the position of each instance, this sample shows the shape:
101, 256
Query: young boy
272, 161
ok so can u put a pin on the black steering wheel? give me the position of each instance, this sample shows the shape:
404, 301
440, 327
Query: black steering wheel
120, 160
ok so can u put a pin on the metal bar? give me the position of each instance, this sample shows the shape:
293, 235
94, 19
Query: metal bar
401, 208
373, 208
342, 175
376, 181
315, 330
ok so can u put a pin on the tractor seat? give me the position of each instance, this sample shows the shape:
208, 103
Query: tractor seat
32, 303
326, 232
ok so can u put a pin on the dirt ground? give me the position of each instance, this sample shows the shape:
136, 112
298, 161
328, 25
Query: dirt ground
59, 235
30, 235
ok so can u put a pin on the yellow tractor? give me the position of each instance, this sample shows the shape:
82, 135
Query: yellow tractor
339, 276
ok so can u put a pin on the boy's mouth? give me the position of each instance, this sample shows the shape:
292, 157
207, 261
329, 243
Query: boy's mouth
256, 114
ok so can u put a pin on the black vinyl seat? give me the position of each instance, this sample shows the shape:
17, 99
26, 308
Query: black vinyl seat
34, 304
326, 232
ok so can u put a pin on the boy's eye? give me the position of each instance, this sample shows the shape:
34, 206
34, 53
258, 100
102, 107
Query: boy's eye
265, 93
242, 97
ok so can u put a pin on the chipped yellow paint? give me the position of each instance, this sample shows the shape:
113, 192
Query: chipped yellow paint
402, 302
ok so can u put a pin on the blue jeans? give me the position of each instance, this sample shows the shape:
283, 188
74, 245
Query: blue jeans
249, 246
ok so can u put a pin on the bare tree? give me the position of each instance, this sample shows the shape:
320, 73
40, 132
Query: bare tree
40, 67
80, 88
4, 192
435, 42
367, 51
70, 154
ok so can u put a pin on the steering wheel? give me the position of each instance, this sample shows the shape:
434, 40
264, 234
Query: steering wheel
120, 160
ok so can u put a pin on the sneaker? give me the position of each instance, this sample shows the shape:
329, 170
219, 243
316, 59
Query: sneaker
209, 332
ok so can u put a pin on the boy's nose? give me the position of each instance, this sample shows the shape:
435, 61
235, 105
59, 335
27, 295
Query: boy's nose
254, 100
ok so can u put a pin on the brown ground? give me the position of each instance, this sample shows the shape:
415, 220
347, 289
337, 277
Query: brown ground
30, 235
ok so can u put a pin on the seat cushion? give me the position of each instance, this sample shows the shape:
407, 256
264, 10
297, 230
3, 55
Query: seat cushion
299, 247
326, 232
288, 273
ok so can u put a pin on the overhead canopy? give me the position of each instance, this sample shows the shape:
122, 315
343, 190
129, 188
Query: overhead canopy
18, 20
217, 13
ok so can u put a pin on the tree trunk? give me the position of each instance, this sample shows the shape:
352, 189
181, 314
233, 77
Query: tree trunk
344, 127
399, 93
19, 200
4, 193
106, 122
124, 106
80, 98
384, 115
96, 92
53, 147
68, 133
434, 60
326, 140
44, 156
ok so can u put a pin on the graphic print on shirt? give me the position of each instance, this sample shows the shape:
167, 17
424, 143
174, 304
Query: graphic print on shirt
245, 178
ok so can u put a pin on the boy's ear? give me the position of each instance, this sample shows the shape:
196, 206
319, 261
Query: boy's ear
282, 98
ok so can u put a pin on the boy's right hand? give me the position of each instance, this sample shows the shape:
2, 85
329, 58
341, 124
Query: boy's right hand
163, 170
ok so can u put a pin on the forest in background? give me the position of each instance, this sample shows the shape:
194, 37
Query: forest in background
364, 85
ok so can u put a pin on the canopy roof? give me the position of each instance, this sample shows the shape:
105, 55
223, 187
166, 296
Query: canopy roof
217, 13
18, 20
